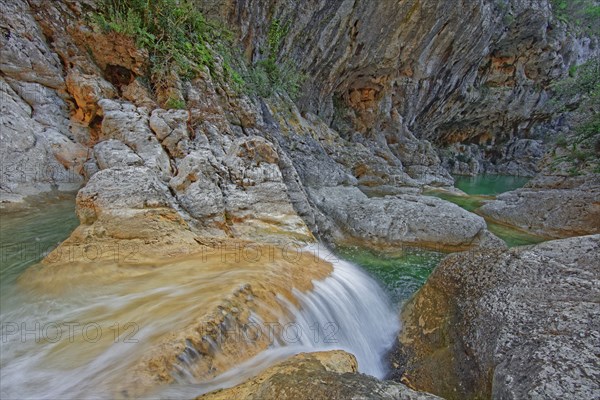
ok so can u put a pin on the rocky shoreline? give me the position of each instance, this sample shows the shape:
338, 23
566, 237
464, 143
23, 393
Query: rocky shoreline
399, 96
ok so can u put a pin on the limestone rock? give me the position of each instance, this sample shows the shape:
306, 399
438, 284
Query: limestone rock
131, 207
87, 90
171, 130
552, 206
130, 124
137, 93
450, 73
197, 186
519, 157
114, 153
325, 375
407, 219
25, 55
508, 324
27, 155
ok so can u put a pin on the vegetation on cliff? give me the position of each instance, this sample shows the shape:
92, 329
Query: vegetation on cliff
578, 14
581, 93
175, 33
180, 39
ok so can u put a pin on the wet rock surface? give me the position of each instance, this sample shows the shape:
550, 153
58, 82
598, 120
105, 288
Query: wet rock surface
221, 295
325, 375
521, 323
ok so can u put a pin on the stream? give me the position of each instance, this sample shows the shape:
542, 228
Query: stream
356, 308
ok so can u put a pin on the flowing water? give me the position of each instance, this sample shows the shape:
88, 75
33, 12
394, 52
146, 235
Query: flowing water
401, 272
79, 333
75, 333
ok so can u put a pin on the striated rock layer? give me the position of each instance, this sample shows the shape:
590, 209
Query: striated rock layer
508, 324
443, 70
198, 315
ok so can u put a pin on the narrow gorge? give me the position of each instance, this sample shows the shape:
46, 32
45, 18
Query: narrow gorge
320, 199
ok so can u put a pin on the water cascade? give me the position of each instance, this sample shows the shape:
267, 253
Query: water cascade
348, 310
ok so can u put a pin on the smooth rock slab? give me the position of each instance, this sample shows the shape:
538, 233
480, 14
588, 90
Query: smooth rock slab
402, 219
551, 206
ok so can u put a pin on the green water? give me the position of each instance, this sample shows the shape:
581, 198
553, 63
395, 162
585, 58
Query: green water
483, 188
489, 184
28, 234
401, 273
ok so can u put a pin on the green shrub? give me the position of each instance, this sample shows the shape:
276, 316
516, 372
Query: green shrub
175, 104
269, 76
578, 14
561, 141
174, 32
583, 87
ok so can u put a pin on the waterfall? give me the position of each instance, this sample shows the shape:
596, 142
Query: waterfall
348, 310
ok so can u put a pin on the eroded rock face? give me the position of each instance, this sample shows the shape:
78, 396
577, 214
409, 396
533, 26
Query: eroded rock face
518, 157
445, 71
325, 375
37, 153
513, 324
553, 206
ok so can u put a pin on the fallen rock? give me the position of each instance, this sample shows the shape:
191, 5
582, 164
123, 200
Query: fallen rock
507, 324
328, 375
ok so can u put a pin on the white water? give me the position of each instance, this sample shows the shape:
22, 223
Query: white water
352, 313
348, 310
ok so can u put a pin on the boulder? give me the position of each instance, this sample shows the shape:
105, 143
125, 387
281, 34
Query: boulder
507, 324
552, 206
127, 207
402, 219
326, 375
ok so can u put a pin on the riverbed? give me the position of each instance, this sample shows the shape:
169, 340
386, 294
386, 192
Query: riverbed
356, 308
